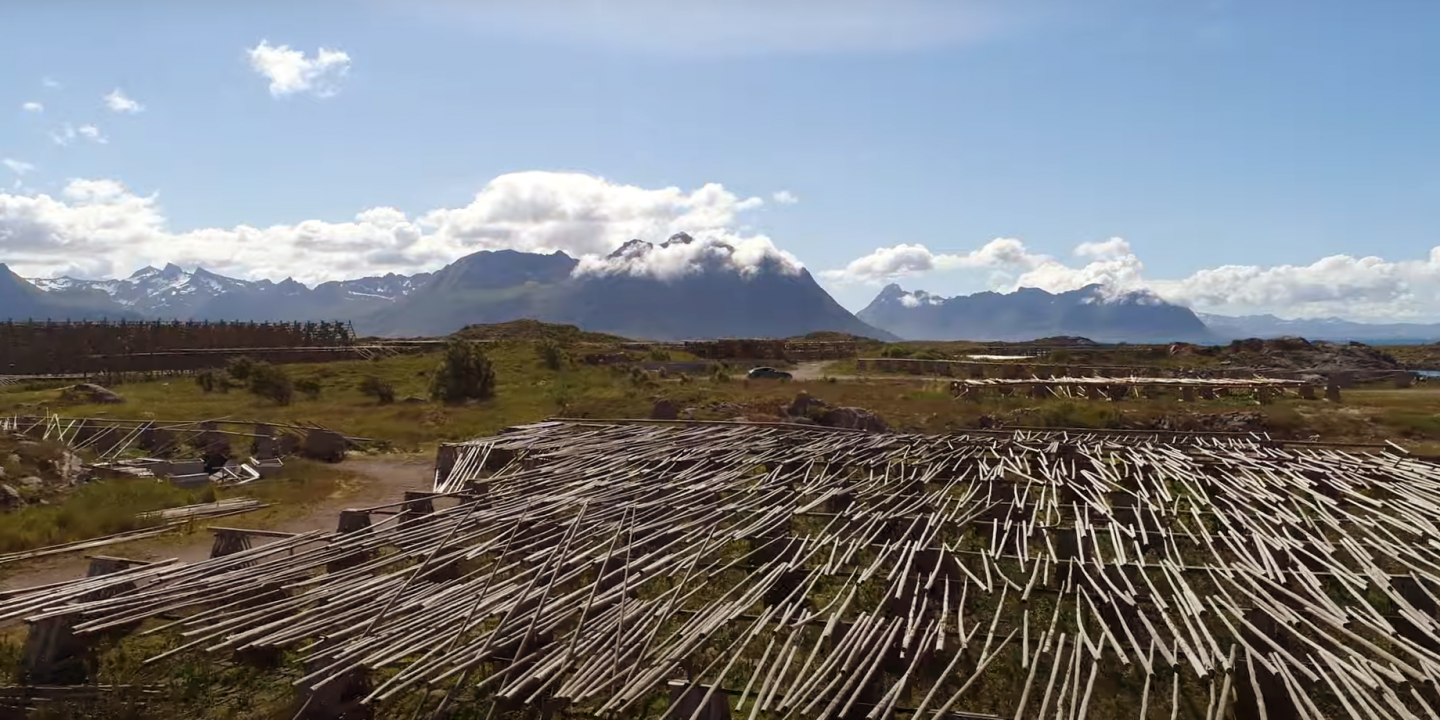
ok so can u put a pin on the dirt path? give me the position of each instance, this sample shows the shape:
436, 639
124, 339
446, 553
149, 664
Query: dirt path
381, 481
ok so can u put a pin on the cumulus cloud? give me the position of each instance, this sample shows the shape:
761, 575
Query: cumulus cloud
116, 101
63, 135
1338, 285
290, 71
92, 133
116, 230
32, 106
19, 167
785, 197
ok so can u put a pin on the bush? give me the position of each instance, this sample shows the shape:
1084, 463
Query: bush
896, 351
271, 382
380, 389
640, 378
241, 367
930, 355
464, 373
213, 381
659, 355
552, 355
309, 387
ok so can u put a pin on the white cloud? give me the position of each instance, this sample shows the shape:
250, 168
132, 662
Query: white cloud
32, 106
290, 71
116, 101
1339, 285
116, 231
50, 83
739, 27
64, 135
19, 167
92, 133
785, 197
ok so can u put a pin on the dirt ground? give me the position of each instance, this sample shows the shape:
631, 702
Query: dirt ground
384, 480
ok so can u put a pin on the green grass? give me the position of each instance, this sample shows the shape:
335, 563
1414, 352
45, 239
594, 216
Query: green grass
529, 392
94, 510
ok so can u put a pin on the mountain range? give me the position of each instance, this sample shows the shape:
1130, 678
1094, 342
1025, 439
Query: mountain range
1030, 313
680, 289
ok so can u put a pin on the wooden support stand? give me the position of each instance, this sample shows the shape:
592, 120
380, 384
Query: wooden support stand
351, 521
53, 653
686, 699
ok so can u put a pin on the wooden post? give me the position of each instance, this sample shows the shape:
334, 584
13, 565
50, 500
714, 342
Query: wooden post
686, 699
1307, 392
53, 653
338, 699
1332, 391
1187, 393
351, 521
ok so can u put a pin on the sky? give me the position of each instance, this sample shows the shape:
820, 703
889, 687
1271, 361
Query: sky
1235, 157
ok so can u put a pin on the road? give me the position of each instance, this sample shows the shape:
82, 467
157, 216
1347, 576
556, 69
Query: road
382, 480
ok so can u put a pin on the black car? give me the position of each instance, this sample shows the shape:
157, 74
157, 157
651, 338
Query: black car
768, 373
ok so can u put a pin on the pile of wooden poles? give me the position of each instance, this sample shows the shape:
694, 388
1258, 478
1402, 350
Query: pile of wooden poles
808, 573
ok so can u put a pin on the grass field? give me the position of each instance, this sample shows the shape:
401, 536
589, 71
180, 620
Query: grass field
527, 392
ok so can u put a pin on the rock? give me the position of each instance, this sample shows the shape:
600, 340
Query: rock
854, 419
71, 468
2, 472
31, 482
664, 410
91, 393
10, 496
13, 459
413, 400
806, 406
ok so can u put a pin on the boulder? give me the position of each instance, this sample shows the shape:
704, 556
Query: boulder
664, 410
853, 418
91, 393
9, 496
31, 482
806, 406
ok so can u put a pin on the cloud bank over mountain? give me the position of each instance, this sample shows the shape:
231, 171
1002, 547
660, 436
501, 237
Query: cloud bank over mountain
1367, 288
101, 228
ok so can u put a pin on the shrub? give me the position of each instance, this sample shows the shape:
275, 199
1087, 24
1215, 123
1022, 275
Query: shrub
640, 378
930, 355
896, 351
271, 382
241, 367
213, 381
309, 387
552, 355
464, 373
380, 389
659, 355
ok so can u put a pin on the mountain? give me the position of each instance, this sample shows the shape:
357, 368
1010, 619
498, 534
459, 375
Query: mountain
172, 292
673, 291
21, 300
1030, 313
1227, 327
679, 289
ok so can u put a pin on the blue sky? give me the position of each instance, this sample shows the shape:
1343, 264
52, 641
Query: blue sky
1237, 148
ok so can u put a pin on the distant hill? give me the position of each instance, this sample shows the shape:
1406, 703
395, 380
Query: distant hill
1227, 327
535, 330
1030, 313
